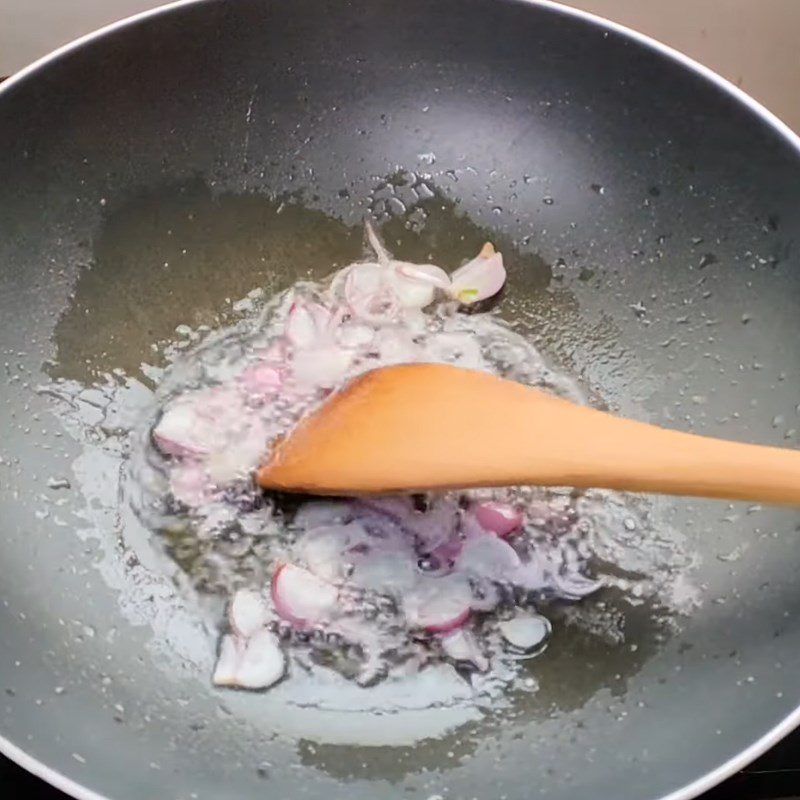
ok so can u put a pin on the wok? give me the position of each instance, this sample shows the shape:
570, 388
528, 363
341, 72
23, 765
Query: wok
649, 213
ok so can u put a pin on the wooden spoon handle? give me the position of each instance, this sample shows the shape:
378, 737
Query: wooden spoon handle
601, 450
431, 426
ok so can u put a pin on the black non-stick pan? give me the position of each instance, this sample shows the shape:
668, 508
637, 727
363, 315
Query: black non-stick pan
649, 213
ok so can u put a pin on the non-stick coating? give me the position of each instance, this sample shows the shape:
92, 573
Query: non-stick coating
668, 213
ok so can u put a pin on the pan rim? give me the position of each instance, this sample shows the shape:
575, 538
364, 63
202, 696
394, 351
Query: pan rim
711, 778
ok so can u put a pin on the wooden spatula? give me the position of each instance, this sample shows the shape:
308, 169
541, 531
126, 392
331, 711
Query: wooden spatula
429, 426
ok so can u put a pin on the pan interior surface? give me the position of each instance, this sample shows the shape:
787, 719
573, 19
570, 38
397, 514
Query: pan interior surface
156, 175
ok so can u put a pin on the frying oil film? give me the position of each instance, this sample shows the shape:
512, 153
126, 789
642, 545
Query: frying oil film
372, 590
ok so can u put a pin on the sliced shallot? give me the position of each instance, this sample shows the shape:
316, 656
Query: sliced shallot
227, 661
445, 555
525, 633
436, 526
324, 549
324, 319
479, 279
363, 281
532, 575
424, 273
263, 663
411, 293
369, 294
462, 647
200, 422
177, 434
301, 597
237, 460
438, 605
189, 484
575, 586
416, 284
395, 347
247, 612
260, 380
500, 518
254, 663
186, 429
301, 327
323, 367
384, 571
486, 594
488, 557
355, 335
